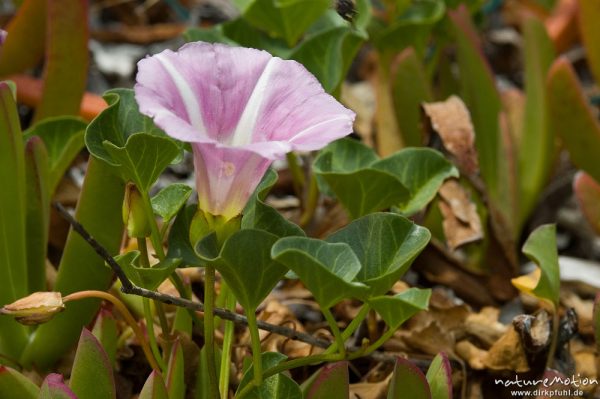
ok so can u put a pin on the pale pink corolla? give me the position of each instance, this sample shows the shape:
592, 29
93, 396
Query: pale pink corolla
240, 109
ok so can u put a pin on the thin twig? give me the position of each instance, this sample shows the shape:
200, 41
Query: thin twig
129, 288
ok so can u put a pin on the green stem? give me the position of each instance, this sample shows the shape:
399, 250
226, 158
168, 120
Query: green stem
155, 235
354, 324
373, 347
298, 180
255, 341
312, 200
151, 336
209, 330
554, 339
336, 331
227, 343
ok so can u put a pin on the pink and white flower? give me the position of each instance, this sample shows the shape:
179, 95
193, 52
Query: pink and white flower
240, 109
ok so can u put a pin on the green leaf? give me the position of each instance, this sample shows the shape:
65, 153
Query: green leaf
245, 263
439, 376
92, 375
38, 212
54, 387
214, 34
143, 158
572, 118
587, 192
175, 373
15, 385
287, 19
149, 278
63, 137
410, 88
326, 269
67, 58
202, 378
13, 255
116, 123
537, 144
154, 387
385, 244
422, 171
408, 381
330, 381
589, 14
278, 386
258, 215
99, 210
540, 247
345, 166
170, 200
179, 237
395, 310
105, 330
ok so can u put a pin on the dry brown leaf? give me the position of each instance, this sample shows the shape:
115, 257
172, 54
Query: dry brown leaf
451, 120
431, 339
461, 222
584, 310
370, 390
360, 97
471, 354
507, 353
485, 325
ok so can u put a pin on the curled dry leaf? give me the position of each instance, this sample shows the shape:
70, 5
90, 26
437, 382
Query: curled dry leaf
36, 308
584, 310
471, 354
507, 354
276, 313
451, 120
485, 325
461, 222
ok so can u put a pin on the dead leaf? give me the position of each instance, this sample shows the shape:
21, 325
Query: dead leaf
360, 97
461, 222
370, 390
451, 120
485, 325
507, 353
471, 354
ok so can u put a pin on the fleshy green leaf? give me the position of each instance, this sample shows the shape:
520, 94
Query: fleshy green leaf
15, 385
422, 171
410, 88
143, 158
326, 269
54, 387
154, 387
105, 330
13, 255
149, 278
245, 263
385, 244
179, 237
439, 376
572, 118
278, 386
540, 247
587, 192
259, 215
345, 166
38, 212
395, 310
408, 381
170, 199
330, 381
67, 58
63, 137
92, 375
175, 373
537, 141
287, 19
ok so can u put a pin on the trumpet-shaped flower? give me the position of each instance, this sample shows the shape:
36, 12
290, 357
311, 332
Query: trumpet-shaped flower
240, 109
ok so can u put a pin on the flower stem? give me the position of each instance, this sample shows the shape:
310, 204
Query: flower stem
126, 315
227, 343
209, 330
336, 332
298, 180
151, 335
312, 200
256, 351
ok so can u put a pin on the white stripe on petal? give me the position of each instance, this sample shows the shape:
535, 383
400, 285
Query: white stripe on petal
190, 101
301, 133
245, 127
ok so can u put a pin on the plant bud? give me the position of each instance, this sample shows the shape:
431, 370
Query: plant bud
134, 215
36, 308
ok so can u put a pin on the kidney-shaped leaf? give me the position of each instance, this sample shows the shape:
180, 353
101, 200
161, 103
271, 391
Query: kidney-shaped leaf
395, 310
54, 387
154, 387
327, 269
408, 381
146, 277
179, 237
92, 375
245, 263
385, 244
170, 199
330, 381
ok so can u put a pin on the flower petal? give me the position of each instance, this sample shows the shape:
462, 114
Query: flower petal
226, 177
